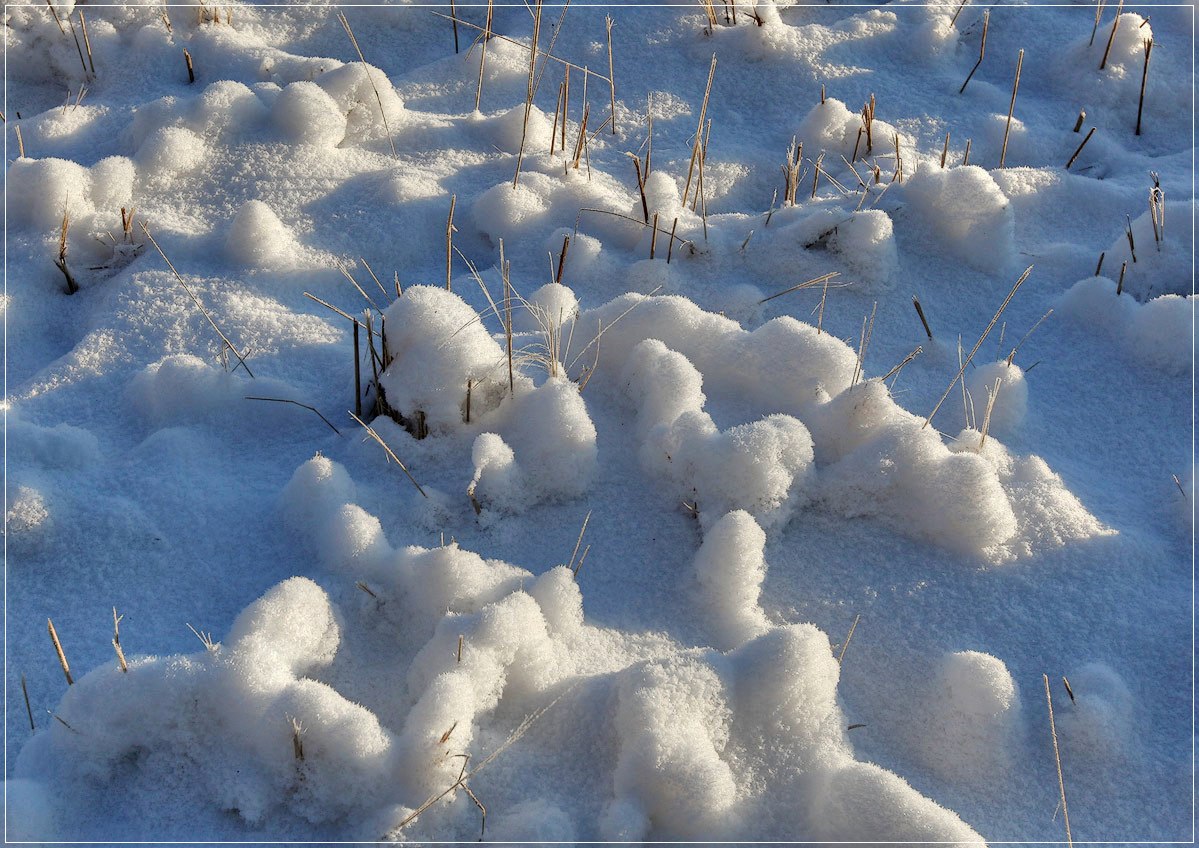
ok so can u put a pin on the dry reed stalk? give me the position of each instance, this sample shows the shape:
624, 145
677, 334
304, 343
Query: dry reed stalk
554, 130
241, 359
816, 175
920, 312
703, 111
1120, 282
1082, 116
868, 124
640, 186
366, 70
62, 658
653, 237
611, 72
582, 136
312, 409
578, 543
898, 162
78, 47
345, 272
61, 261
1099, 264
505, 272
978, 344
483, 53
28, 708
790, 174
823, 278
357, 373
116, 641
87, 42
371, 271
1011, 108
852, 628
1078, 150
454, 21
390, 453
191, 70
982, 51
1144, 79
670, 246
820, 315
531, 90
1099, 4
562, 258
1132, 245
1112, 37
1057, 758
20, 141
894, 372
57, 19
867, 332
449, 241
1011, 356
945, 150
992, 396
966, 156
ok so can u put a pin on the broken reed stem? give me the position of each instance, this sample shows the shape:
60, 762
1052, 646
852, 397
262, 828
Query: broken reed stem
824, 278
1120, 282
524, 130
978, 344
867, 332
390, 453
982, 50
483, 54
640, 186
966, 156
852, 628
920, 312
505, 270
554, 130
653, 237
992, 396
699, 130
312, 409
57, 19
357, 374
87, 42
449, 241
366, 70
945, 150
1020, 343
1099, 264
670, 246
62, 658
1011, 107
562, 258
1144, 78
191, 70
20, 141
454, 21
578, 543
820, 316
1082, 116
894, 372
29, 709
1078, 150
61, 261
1132, 245
816, 176
611, 72
1112, 37
1057, 757
116, 641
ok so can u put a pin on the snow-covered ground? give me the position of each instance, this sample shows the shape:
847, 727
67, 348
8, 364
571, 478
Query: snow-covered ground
644, 504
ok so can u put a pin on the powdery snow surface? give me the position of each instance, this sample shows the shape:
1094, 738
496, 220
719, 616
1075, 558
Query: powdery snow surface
667, 557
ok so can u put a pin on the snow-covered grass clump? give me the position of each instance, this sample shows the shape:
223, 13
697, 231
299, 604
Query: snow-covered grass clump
1158, 332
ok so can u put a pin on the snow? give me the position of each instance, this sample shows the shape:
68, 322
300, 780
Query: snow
677, 548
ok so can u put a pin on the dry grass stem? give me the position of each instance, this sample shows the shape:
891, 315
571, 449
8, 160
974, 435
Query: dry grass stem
1057, 757
449, 241
366, 70
1078, 150
116, 641
62, 657
844, 647
1112, 37
578, 543
699, 131
1082, 116
28, 708
1144, 79
982, 50
923, 320
390, 453
807, 284
1011, 108
312, 409
978, 344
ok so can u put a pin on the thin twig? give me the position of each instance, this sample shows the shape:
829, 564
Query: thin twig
366, 70
1057, 757
390, 453
303, 405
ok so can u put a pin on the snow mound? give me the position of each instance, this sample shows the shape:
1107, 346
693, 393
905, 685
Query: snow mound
1159, 333
552, 453
1163, 261
170, 152
509, 127
763, 467
730, 567
1011, 402
258, 239
304, 113
437, 343
976, 708
184, 389
1098, 727
358, 89
832, 128
862, 240
965, 212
